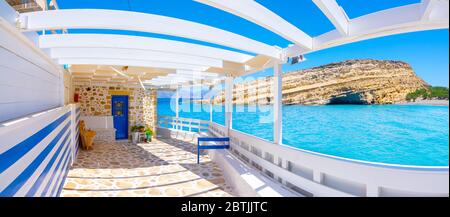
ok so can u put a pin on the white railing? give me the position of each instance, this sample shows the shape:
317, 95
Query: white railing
315, 174
184, 124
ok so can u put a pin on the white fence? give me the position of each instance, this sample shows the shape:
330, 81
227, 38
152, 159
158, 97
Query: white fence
315, 174
185, 124
36, 152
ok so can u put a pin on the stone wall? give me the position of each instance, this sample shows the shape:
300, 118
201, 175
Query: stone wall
96, 101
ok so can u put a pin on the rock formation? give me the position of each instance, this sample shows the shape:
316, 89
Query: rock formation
348, 82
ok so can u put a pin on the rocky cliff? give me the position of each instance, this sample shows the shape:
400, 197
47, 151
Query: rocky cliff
348, 82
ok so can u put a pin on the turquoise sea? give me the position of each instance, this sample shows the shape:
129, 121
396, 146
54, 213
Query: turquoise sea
395, 134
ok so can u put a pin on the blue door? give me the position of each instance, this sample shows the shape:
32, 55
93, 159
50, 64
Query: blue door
120, 113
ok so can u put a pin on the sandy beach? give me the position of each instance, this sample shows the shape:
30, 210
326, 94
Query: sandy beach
426, 102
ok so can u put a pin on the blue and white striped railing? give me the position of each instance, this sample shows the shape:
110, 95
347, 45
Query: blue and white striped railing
36, 152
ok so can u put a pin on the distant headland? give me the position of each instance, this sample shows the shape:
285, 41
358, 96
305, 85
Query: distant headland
363, 81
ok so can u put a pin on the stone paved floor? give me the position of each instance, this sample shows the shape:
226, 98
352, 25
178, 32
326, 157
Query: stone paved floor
165, 167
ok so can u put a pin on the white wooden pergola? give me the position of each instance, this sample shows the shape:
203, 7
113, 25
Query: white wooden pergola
161, 62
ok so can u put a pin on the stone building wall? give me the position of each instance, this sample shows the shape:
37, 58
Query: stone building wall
96, 101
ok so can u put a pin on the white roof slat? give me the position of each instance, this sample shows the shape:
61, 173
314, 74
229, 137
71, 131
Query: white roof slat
142, 22
392, 21
117, 53
335, 14
141, 43
260, 15
127, 62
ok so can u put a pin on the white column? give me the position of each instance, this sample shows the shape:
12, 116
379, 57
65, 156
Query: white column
73, 118
211, 99
177, 101
277, 104
372, 191
229, 102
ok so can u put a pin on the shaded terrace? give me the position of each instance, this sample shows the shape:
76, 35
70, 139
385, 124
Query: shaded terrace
165, 167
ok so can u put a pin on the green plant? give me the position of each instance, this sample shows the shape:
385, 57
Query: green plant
134, 128
148, 134
439, 92
148, 131
428, 93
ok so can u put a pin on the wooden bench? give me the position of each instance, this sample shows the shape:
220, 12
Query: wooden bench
87, 137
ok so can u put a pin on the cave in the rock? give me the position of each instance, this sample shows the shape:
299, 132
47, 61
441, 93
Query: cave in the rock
348, 98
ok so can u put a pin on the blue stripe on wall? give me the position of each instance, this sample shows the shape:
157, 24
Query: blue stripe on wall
63, 146
9, 157
65, 173
28, 172
62, 176
58, 168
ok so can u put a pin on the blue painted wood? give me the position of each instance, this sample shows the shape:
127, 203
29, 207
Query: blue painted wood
213, 139
15, 153
208, 147
13, 187
63, 146
119, 110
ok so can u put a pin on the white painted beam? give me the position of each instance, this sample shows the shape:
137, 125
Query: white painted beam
394, 18
120, 72
133, 54
389, 22
170, 79
141, 43
142, 22
392, 21
260, 15
194, 73
277, 104
434, 9
165, 83
427, 8
125, 62
335, 14
187, 77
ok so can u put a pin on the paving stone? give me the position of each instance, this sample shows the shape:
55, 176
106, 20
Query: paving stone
165, 167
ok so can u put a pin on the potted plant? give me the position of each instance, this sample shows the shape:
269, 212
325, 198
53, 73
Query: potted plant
134, 134
148, 134
141, 129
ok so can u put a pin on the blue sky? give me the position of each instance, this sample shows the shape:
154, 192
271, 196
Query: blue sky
427, 52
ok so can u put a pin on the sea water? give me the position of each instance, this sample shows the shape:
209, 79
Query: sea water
394, 134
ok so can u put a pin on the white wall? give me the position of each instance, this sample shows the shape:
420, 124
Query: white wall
30, 81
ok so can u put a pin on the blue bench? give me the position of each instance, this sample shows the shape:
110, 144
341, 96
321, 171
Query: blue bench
211, 139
